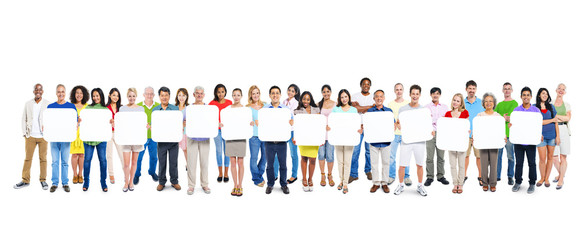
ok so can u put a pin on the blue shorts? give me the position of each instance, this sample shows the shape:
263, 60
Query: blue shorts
547, 142
326, 151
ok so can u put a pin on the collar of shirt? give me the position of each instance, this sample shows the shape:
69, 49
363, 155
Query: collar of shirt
383, 109
169, 107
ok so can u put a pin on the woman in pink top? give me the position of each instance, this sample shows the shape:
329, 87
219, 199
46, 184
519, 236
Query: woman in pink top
326, 151
292, 102
222, 159
182, 103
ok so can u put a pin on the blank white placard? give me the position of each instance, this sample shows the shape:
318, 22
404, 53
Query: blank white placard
95, 125
527, 128
167, 126
202, 121
489, 132
60, 125
379, 127
236, 123
453, 134
416, 125
344, 129
274, 124
130, 128
309, 129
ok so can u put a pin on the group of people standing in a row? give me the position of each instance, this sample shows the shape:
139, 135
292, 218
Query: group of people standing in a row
554, 146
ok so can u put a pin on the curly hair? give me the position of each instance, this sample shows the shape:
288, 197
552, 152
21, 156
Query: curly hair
72, 97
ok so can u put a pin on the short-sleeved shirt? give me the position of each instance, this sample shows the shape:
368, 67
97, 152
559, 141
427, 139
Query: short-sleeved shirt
506, 107
549, 131
64, 105
96, 106
563, 109
463, 114
473, 108
339, 110
408, 107
364, 101
170, 107
221, 106
395, 106
521, 108
437, 111
382, 109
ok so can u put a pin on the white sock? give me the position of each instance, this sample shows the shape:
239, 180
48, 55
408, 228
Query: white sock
419, 185
402, 184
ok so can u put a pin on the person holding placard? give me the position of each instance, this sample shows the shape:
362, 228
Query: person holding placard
148, 104
256, 146
363, 101
489, 157
32, 131
167, 151
113, 104
308, 153
197, 148
505, 108
474, 106
292, 102
326, 151
182, 102
437, 110
98, 103
235, 149
131, 152
222, 160
550, 135
344, 153
60, 150
529, 150
380, 148
395, 105
564, 148
457, 159
79, 97
407, 149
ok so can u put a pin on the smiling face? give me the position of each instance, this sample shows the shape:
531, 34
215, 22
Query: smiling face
95, 97
399, 90
114, 97
306, 101
181, 98
78, 95
544, 96
291, 92
38, 91
489, 103
379, 98
255, 94
221, 93
561, 90
149, 94
507, 90
344, 99
471, 91
274, 95
525, 96
435, 96
456, 102
365, 86
61, 94
415, 94
326, 93
164, 98
132, 98
199, 95
237, 96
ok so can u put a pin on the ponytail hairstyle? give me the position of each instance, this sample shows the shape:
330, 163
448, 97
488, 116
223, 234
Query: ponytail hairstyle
321, 103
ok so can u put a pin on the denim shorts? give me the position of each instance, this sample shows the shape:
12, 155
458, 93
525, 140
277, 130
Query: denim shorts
326, 151
547, 142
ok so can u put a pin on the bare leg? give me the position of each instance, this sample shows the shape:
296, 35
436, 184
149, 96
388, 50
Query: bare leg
133, 168
241, 168
557, 164
312, 168
234, 170
322, 163
226, 174
330, 166
478, 163
419, 173
220, 172
401, 174
542, 154
126, 168
80, 160
304, 167
563, 169
74, 164
549, 163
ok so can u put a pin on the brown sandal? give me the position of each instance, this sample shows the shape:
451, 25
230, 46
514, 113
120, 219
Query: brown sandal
323, 182
332, 183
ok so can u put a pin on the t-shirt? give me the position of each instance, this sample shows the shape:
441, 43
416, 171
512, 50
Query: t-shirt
362, 100
96, 106
339, 110
395, 106
64, 105
549, 131
473, 108
221, 106
506, 107
36, 129
408, 107
484, 114
563, 109
464, 114
131, 109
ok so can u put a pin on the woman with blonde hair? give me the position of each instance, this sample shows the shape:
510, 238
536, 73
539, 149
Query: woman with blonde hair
457, 160
256, 145
131, 152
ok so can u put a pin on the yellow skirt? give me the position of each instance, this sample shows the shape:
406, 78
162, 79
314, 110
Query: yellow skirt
309, 151
77, 146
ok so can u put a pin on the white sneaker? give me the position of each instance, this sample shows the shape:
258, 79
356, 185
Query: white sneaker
421, 190
399, 189
306, 189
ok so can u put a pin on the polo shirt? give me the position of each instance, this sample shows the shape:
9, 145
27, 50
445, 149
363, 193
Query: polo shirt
383, 109
395, 106
473, 108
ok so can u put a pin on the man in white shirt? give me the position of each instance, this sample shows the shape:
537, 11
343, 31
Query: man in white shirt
362, 101
33, 134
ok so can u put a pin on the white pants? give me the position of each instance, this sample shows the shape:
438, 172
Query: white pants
385, 153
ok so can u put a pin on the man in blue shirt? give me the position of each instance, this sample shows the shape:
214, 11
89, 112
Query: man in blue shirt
167, 151
474, 106
382, 148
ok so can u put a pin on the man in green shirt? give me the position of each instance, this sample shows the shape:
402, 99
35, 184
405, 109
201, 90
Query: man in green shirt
152, 146
505, 108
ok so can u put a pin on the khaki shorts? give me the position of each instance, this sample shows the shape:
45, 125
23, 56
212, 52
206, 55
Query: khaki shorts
476, 151
132, 148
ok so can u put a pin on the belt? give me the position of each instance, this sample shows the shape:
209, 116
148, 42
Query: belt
562, 123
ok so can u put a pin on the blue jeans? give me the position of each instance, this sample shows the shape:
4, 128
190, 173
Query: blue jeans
220, 151
293, 152
510, 155
393, 166
273, 149
547, 142
326, 152
257, 168
101, 154
356, 155
153, 152
60, 152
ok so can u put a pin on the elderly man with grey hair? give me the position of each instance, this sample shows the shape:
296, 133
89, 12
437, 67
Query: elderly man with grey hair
152, 146
197, 149
489, 157
32, 131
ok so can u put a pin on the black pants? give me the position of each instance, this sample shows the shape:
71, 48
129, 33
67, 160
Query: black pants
170, 150
530, 151
279, 149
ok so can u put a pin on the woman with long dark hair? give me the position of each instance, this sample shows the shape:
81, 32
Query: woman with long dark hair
308, 153
222, 159
113, 104
292, 102
98, 103
326, 151
550, 136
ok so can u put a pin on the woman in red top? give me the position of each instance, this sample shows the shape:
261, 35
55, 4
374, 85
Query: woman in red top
222, 159
113, 104
457, 160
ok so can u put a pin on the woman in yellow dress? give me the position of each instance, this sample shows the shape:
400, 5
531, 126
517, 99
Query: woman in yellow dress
308, 153
79, 96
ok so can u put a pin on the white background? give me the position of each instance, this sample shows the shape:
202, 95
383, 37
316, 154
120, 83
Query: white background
310, 43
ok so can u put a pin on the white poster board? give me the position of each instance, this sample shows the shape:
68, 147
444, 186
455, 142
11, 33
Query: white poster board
453, 134
237, 123
416, 125
202, 121
167, 126
527, 128
274, 124
130, 128
379, 127
95, 125
344, 129
489, 132
309, 129
60, 125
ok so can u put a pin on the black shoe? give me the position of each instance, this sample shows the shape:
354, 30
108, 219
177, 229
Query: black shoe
481, 182
154, 177
53, 188
219, 179
21, 184
226, 179
510, 181
276, 178
285, 189
428, 182
443, 181
465, 178
136, 180
498, 179
268, 190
